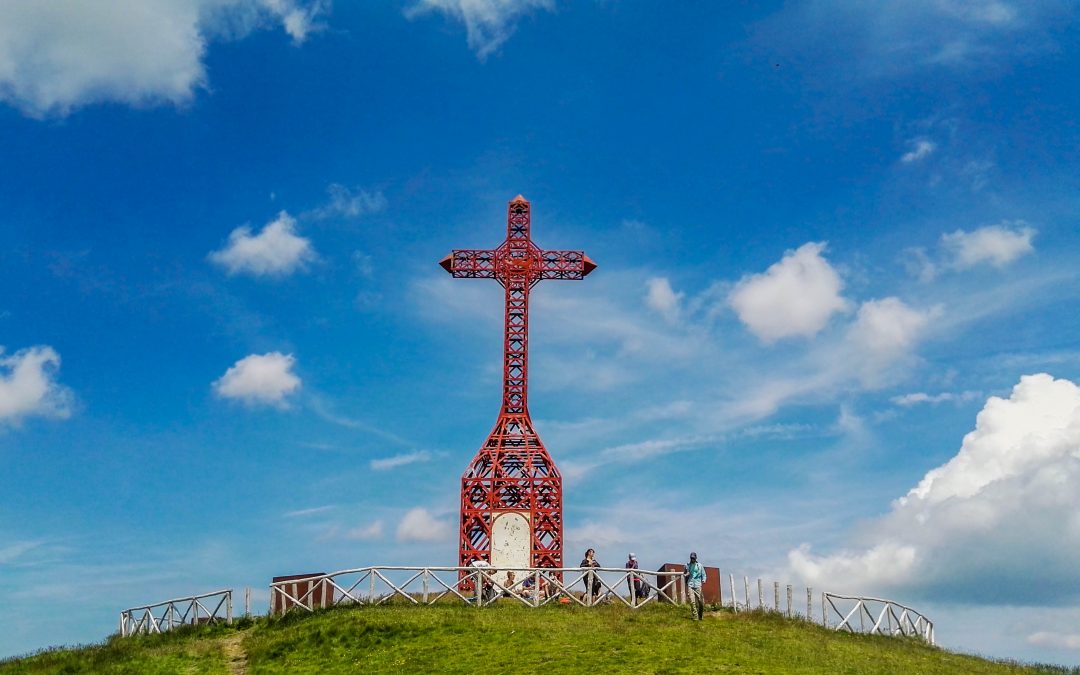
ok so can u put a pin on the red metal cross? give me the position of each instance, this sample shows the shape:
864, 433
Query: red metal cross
512, 472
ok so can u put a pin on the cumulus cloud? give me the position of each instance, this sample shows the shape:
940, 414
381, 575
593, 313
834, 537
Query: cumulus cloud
59, 55
275, 251
661, 298
488, 23
794, 297
974, 528
921, 149
264, 379
419, 525
400, 460
28, 385
997, 245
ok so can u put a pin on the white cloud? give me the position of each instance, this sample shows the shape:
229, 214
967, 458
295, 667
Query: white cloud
794, 297
260, 379
63, 54
419, 525
400, 460
888, 327
1055, 639
367, 532
488, 23
995, 244
28, 385
893, 38
921, 149
275, 251
915, 398
346, 203
975, 528
302, 513
662, 299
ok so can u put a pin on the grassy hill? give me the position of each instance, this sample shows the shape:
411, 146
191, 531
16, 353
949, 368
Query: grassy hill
511, 639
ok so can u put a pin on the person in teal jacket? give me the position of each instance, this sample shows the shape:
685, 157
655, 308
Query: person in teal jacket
695, 579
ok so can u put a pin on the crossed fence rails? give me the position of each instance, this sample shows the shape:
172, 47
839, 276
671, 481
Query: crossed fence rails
531, 586
479, 586
194, 609
875, 616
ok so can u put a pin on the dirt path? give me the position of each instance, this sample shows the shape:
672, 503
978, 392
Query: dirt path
234, 652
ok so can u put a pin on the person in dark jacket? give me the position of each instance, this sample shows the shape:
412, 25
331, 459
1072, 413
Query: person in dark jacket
637, 585
592, 579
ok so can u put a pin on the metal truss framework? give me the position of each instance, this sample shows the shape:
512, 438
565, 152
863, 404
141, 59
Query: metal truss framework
512, 470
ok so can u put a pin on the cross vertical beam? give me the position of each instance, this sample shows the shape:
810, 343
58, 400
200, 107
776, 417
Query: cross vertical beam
513, 473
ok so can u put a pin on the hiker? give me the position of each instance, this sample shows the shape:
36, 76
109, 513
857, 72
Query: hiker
695, 578
487, 588
637, 585
592, 579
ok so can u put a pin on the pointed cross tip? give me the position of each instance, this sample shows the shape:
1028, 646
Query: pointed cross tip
447, 263
588, 265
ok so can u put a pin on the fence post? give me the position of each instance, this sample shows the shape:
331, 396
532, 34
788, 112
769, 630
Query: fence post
228, 608
746, 591
425, 584
760, 595
809, 603
789, 601
247, 600
734, 598
776, 596
720, 585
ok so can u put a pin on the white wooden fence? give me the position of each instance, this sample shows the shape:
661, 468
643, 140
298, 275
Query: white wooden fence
532, 587
874, 616
162, 616
478, 586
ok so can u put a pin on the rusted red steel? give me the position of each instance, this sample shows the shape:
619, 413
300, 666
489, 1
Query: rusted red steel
512, 471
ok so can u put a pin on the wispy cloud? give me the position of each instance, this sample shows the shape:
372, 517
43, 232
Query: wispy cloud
396, 461
315, 510
348, 203
915, 398
920, 150
488, 23
419, 524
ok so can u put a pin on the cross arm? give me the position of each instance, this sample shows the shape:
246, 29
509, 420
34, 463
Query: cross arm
470, 264
565, 265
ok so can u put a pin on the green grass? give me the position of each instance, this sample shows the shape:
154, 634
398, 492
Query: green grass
514, 639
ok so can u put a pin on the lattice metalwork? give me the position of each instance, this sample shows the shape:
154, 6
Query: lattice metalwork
512, 471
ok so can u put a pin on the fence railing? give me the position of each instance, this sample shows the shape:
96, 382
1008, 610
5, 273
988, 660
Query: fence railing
163, 616
874, 616
478, 586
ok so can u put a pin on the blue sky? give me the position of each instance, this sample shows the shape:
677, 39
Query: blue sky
831, 338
